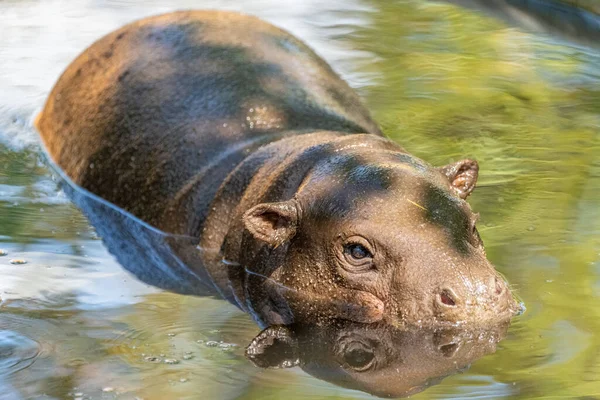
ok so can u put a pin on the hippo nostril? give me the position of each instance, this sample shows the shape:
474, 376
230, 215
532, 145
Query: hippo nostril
447, 298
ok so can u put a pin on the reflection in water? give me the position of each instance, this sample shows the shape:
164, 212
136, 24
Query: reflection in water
375, 358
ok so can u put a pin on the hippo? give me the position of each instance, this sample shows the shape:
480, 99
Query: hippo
376, 358
264, 179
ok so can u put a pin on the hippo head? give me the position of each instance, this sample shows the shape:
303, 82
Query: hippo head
376, 233
375, 358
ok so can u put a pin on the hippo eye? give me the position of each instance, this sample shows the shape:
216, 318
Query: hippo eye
357, 251
359, 358
358, 257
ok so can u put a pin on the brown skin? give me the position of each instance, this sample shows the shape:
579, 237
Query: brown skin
375, 358
223, 128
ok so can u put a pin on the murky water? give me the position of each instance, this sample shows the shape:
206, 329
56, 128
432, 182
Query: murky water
444, 82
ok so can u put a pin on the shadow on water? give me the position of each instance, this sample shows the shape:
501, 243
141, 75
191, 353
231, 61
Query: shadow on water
166, 261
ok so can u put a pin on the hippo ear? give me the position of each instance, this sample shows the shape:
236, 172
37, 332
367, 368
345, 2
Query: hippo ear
274, 347
462, 176
273, 223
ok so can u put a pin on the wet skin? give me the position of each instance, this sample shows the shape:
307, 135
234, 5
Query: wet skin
375, 358
229, 133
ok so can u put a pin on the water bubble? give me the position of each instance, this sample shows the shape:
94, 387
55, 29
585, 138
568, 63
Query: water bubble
171, 361
212, 343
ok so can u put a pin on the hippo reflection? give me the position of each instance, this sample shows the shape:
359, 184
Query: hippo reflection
374, 358
266, 177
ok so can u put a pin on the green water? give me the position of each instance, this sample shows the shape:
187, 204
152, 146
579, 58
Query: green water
444, 82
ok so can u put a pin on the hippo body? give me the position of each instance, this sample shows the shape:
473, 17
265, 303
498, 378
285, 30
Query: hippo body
230, 133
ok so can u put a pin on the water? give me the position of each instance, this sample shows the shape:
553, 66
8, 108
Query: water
444, 82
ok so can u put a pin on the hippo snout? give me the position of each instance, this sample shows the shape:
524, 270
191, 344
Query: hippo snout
489, 300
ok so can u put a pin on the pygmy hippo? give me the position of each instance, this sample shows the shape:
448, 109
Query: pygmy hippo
221, 128
376, 358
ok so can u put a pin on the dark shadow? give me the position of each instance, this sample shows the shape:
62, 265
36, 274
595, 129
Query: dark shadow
170, 262
447, 213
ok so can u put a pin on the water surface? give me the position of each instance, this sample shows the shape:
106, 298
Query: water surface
444, 82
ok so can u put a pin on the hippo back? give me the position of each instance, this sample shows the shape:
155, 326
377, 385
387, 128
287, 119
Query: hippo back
175, 102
